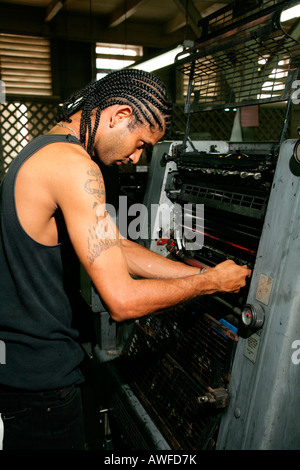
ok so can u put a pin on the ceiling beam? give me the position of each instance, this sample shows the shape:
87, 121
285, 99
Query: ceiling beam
75, 26
52, 9
179, 21
124, 11
191, 13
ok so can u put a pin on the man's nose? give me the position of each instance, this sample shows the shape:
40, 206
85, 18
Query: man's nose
135, 156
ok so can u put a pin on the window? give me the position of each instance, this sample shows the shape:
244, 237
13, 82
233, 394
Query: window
111, 57
25, 65
275, 84
26, 84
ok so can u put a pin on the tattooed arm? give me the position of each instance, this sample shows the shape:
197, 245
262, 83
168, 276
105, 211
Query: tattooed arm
97, 243
103, 233
141, 261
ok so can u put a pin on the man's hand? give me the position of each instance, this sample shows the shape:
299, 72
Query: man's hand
229, 276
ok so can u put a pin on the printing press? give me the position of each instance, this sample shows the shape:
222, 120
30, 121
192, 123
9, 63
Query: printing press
222, 371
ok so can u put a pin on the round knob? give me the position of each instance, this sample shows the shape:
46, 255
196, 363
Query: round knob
253, 316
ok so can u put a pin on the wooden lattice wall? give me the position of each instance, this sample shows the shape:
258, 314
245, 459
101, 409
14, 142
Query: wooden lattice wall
217, 125
21, 121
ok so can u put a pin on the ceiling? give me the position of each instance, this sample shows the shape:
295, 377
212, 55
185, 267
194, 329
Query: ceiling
150, 23
153, 24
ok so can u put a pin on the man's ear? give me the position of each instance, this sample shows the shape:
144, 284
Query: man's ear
119, 114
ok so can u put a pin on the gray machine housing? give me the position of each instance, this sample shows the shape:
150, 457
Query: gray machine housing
264, 390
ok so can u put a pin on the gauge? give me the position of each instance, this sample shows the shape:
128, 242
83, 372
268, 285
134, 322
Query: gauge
253, 316
247, 315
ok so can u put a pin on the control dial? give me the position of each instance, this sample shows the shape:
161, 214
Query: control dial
253, 316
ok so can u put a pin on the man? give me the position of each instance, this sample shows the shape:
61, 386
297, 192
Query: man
56, 178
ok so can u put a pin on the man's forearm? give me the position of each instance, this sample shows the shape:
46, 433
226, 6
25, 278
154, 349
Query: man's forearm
136, 298
147, 264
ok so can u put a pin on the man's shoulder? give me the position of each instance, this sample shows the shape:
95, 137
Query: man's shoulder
66, 157
70, 170
62, 167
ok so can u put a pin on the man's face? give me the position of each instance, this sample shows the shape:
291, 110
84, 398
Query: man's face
124, 143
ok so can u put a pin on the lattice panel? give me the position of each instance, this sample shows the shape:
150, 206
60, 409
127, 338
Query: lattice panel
217, 124
271, 121
20, 123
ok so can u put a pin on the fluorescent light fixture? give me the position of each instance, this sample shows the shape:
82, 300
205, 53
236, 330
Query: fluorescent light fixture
109, 50
112, 64
162, 60
290, 13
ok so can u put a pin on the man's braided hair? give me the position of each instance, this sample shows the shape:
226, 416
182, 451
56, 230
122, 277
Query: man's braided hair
144, 92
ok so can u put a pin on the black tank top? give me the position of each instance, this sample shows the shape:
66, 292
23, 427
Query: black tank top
41, 344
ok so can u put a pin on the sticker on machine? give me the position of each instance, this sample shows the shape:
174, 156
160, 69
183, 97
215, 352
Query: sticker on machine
264, 289
251, 347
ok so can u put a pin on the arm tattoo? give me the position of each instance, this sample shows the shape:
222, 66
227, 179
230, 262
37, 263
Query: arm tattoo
96, 245
100, 237
95, 184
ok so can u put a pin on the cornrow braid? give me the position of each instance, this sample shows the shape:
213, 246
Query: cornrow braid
143, 91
